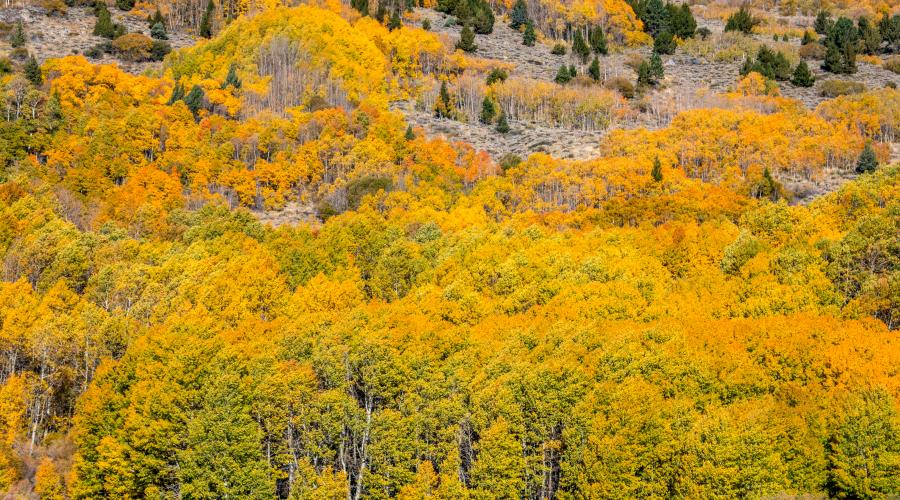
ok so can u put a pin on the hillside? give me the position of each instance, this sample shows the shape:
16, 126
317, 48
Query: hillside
347, 251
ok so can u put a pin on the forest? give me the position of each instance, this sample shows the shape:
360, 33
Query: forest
669, 317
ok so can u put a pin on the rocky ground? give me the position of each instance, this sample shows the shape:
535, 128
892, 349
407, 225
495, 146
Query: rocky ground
59, 35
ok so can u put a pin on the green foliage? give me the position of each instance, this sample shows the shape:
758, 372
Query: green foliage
361, 6
231, 78
580, 47
664, 43
104, 26
598, 41
443, 106
681, 21
869, 35
466, 40
823, 22
840, 47
562, 75
657, 72
195, 99
125, 5
558, 49
17, 37
739, 252
655, 16
742, 21
518, 16
32, 72
426, 25
529, 37
395, 23
475, 13
496, 75
502, 124
644, 75
206, 21
158, 31
594, 69
867, 162
656, 173
771, 64
802, 76
488, 111
808, 38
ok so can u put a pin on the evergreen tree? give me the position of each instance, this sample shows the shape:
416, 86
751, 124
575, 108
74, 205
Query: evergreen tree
518, 16
232, 78
177, 93
664, 43
657, 73
158, 31
840, 47
867, 162
33, 72
572, 72
104, 26
529, 37
869, 35
194, 99
125, 5
823, 22
598, 41
426, 25
443, 106
644, 78
681, 21
467, 40
594, 69
741, 21
361, 6
580, 47
17, 39
656, 173
562, 76
655, 17
394, 23
502, 124
802, 76
207, 19
157, 17
409, 135
488, 111
833, 61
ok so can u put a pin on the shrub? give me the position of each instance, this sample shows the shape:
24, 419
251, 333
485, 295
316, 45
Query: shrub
508, 161
836, 88
158, 31
559, 49
133, 47
466, 40
159, 50
664, 43
892, 64
802, 76
529, 37
17, 38
621, 85
6, 66
741, 21
426, 25
814, 50
125, 5
497, 75
360, 188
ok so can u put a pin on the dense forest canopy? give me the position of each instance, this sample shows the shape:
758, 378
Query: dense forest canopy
657, 321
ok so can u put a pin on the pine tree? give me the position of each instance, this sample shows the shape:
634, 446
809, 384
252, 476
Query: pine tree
657, 72
598, 41
741, 21
656, 173
488, 111
33, 72
580, 47
362, 6
443, 106
823, 23
157, 17
177, 93
104, 26
573, 73
207, 19
232, 78
394, 23
467, 40
158, 31
562, 76
518, 16
409, 135
529, 37
802, 76
17, 39
655, 17
502, 124
869, 35
664, 43
594, 69
194, 99
681, 20
867, 161
644, 78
